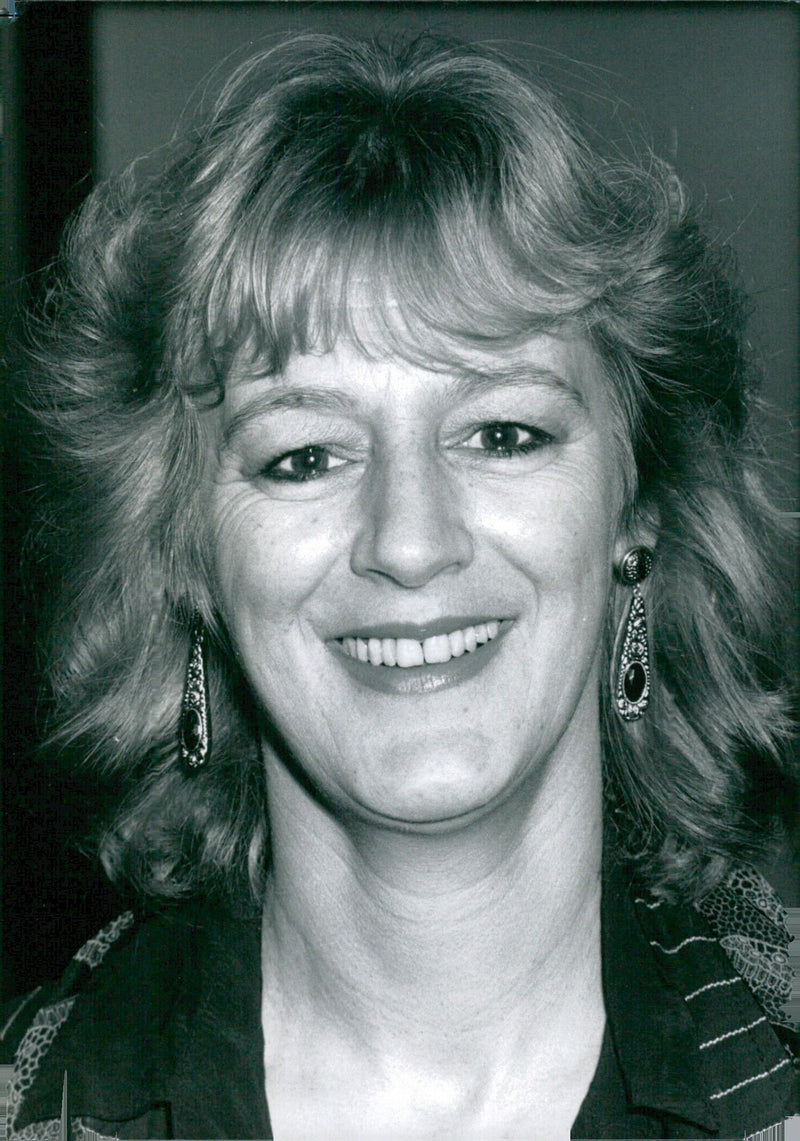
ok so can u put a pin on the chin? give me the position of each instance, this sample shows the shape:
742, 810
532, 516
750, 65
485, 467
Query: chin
437, 800
434, 820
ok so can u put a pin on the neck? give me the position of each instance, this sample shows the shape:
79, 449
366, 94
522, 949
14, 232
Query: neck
424, 939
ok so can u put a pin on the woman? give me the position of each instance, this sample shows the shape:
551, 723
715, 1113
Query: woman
421, 618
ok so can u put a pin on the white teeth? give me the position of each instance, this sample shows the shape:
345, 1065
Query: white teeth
457, 643
407, 652
437, 649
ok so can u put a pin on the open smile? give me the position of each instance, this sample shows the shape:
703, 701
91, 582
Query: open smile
392, 660
405, 653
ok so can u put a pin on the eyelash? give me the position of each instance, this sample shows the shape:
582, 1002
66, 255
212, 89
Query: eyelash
273, 469
539, 438
318, 452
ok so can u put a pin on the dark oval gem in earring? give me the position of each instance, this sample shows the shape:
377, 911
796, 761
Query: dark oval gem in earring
635, 682
191, 730
635, 566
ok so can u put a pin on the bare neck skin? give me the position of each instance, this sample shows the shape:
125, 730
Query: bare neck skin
443, 976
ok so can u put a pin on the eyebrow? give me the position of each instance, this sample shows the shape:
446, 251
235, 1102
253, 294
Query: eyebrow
465, 383
305, 397
470, 382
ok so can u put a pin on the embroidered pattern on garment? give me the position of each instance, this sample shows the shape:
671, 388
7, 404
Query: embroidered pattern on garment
683, 943
39, 1036
712, 986
34, 1045
745, 1065
732, 1033
52, 1131
750, 1080
747, 916
96, 948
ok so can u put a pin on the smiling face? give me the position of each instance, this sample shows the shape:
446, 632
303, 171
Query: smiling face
415, 568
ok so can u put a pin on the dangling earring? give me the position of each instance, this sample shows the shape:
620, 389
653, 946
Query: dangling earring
195, 729
630, 679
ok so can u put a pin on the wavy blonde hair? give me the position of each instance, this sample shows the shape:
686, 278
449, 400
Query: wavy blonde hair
443, 177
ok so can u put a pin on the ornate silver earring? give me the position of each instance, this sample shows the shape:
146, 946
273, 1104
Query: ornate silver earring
630, 681
195, 728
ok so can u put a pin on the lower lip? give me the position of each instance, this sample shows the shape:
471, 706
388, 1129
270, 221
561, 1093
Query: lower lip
427, 678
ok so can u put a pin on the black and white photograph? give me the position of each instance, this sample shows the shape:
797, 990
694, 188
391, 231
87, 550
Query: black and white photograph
400, 578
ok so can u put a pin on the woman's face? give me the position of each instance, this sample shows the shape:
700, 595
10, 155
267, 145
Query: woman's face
457, 531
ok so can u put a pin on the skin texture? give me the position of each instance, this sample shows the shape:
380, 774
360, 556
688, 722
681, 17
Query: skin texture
433, 917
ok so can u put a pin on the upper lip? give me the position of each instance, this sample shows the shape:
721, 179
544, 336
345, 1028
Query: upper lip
419, 631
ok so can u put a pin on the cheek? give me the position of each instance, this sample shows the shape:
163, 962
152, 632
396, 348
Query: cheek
560, 529
269, 559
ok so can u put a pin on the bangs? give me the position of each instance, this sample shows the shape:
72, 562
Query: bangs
406, 231
409, 287
388, 292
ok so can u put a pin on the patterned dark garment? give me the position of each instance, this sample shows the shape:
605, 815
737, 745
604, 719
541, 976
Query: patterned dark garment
157, 1023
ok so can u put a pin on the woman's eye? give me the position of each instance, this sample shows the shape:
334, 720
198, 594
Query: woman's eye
302, 465
503, 438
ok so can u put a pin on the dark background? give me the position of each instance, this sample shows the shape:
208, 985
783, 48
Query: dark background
86, 88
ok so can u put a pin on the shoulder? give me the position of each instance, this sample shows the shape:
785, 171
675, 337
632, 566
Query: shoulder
44, 1005
140, 1011
31, 1023
16, 1015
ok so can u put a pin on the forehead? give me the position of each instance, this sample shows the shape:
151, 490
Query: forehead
566, 365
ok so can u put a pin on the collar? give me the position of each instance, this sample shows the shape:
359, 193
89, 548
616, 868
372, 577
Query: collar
653, 1034
176, 1009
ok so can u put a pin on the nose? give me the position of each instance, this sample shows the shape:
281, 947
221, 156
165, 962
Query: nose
412, 526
